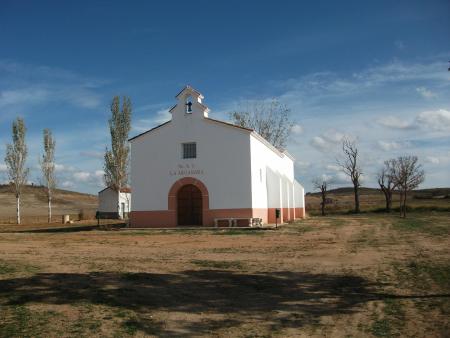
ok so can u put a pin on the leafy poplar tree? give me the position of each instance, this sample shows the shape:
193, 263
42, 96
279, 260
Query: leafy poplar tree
16, 155
48, 168
117, 158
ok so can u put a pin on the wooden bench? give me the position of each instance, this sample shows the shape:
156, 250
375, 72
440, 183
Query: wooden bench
233, 221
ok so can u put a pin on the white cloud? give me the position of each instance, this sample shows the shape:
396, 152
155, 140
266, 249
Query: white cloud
326, 178
84, 98
320, 143
432, 120
433, 159
297, 129
426, 93
385, 93
341, 178
438, 159
59, 167
316, 87
400, 71
395, 122
333, 167
335, 136
25, 85
28, 95
436, 119
3, 167
302, 164
328, 141
82, 176
392, 145
98, 178
93, 179
99, 174
162, 116
337, 178
62, 168
159, 117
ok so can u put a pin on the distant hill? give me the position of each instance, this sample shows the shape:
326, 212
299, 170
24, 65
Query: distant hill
342, 199
34, 202
368, 191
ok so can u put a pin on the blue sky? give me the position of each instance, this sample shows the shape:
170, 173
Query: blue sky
375, 71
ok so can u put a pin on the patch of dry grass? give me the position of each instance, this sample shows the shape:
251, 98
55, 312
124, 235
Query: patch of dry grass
354, 275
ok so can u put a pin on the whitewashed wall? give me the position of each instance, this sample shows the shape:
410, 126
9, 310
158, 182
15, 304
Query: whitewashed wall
273, 186
239, 168
271, 189
126, 199
299, 195
222, 163
108, 199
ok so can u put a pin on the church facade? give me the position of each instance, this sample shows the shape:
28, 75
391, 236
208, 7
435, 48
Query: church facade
193, 170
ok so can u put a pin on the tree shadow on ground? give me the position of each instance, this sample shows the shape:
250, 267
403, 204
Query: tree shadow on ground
277, 299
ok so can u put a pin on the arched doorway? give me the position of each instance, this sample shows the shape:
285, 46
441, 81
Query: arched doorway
189, 205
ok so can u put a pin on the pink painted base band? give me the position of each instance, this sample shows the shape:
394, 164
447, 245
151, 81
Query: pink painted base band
168, 218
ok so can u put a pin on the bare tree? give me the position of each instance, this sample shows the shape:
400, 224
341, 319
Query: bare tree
271, 120
407, 175
117, 159
321, 185
16, 155
387, 182
350, 166
47, 163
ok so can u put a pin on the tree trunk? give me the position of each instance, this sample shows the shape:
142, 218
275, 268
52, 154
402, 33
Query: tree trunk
388, 201
18, 208
323, 205
404, 204
356, 190
49, 209
401, 203
386, 198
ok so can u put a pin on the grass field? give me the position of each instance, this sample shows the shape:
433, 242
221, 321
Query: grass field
373, 200
338, 276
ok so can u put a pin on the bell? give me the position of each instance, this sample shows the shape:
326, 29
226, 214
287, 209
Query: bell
189, 105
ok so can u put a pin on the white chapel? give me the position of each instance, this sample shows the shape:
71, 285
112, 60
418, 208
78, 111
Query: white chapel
195, 170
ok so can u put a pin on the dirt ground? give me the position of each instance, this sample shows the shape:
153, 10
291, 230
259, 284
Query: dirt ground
340, 276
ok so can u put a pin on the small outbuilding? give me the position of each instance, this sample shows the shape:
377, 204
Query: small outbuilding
113, 204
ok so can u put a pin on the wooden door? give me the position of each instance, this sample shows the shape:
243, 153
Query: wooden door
189, 205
